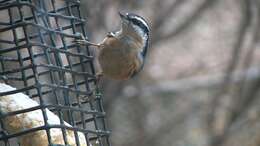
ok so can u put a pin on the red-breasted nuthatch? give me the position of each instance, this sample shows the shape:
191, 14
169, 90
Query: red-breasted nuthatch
122, 53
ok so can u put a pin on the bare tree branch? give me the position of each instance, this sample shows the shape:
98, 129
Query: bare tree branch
194, 16
241, 103
160, 17
245, 93
193, 83
235, 55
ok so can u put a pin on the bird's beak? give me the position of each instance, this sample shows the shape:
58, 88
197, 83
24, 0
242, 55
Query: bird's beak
124, 21
122, 16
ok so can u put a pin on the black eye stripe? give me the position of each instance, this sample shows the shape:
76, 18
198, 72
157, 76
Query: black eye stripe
135, 20
140, 24
146, 30
139, 21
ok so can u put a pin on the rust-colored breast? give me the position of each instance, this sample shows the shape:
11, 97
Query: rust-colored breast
118, 60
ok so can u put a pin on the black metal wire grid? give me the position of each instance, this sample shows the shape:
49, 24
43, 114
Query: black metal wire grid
37, 57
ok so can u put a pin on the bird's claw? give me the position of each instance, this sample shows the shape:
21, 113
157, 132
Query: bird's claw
99, 75
83, 41
80, 42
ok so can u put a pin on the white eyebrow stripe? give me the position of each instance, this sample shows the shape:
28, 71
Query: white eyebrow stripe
142, 20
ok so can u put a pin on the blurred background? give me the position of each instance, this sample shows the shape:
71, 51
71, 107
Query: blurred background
200, 83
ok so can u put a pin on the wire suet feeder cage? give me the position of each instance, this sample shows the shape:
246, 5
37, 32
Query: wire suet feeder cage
48, 92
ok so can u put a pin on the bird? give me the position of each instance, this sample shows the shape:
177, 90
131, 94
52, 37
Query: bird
122, 53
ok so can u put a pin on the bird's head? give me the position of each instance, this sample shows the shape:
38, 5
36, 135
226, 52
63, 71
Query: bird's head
136, 26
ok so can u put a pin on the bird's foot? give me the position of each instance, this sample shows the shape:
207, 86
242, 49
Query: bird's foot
99, 75
83, 41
